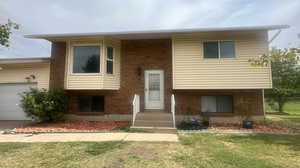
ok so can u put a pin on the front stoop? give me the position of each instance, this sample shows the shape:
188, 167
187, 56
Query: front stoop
158, 122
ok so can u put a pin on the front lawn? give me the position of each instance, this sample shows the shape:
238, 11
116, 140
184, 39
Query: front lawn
291, 117
194, 150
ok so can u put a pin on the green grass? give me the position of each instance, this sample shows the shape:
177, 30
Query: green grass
290, 119
194, 150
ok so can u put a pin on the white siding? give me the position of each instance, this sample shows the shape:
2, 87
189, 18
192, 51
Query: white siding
16, 73
192, 71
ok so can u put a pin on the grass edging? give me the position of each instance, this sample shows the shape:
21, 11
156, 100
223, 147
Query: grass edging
238, 132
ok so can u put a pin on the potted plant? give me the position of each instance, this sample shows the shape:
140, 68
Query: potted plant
205, 120
245, 114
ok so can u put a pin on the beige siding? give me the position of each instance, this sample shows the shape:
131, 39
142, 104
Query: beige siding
16, 73
94, 81
192, 71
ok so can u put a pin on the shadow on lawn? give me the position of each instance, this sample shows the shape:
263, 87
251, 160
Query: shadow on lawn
291, 142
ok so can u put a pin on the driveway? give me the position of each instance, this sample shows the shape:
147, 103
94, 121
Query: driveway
13, 124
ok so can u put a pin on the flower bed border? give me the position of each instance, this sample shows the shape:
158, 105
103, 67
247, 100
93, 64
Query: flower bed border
232, 131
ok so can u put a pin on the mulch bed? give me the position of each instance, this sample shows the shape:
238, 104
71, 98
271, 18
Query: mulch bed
72, 126
257, 127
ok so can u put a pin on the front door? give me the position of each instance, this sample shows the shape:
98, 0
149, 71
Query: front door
154, 89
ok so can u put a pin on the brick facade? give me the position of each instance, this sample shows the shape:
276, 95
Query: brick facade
189, 102
136, 57
57, 65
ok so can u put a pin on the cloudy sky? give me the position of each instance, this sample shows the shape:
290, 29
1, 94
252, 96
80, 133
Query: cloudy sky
76, 16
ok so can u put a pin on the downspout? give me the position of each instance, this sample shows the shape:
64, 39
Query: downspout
263, 99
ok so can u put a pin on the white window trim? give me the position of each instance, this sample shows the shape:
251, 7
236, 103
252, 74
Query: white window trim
219, 49
112, 60
72, 45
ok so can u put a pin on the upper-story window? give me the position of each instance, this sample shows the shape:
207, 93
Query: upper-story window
110, 60
86, 59
219, 49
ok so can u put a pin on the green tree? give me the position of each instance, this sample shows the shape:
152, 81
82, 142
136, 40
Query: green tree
285, 73
5, 31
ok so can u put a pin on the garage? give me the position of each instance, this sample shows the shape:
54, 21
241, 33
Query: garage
10, 100
16, 76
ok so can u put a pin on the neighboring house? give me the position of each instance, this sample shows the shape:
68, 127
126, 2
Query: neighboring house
16, 76
207, 70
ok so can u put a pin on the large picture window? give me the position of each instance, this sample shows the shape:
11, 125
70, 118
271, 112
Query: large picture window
217, 104
219, 49
86, 59
110, 60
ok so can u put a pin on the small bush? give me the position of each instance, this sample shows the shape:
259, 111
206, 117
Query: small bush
46, 106
189, 125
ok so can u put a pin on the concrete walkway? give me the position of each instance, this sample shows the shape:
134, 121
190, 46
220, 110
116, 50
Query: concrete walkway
92, 137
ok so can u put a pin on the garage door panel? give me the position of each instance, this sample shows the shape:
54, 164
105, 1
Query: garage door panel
10, 101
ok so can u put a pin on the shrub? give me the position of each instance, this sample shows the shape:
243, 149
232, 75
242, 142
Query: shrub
190, 124
46, 106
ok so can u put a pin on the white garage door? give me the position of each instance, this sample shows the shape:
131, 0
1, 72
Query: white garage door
10, 101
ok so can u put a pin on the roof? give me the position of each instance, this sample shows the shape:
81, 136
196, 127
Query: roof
155, 33
23, 60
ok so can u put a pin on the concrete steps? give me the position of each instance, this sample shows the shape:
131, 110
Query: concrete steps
153, 121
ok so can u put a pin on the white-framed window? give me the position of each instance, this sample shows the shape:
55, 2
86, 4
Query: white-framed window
86, 59
109, 60
217, 104
219, 49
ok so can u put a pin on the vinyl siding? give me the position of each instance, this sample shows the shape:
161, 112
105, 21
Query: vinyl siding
16, 73
192, 71
99, 81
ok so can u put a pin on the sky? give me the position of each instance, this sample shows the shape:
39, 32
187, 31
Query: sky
79, 16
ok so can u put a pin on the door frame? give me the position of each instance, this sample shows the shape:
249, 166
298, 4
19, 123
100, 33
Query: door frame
162, 89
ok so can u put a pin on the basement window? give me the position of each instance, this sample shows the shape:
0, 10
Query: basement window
219, 104
219, 49
91, 103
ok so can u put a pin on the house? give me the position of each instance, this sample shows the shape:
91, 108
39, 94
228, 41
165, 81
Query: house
153, 78
16, 76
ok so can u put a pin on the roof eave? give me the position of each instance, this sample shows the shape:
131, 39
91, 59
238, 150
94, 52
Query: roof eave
158, 33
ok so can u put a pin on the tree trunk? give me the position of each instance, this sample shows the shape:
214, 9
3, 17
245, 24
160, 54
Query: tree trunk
280, 106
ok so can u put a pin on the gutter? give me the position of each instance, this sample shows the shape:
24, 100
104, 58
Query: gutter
23, 60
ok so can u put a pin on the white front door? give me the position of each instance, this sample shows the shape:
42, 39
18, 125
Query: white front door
154, 89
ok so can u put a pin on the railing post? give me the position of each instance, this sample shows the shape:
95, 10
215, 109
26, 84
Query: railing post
135, 107
173, 104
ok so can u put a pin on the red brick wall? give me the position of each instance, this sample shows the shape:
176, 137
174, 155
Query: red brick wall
189, 102
57, 65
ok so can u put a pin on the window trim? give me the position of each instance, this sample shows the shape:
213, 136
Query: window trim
219, 49
72, 45
217, 113
108, 59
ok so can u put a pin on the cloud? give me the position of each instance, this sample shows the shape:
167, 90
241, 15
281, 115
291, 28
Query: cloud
56, 16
